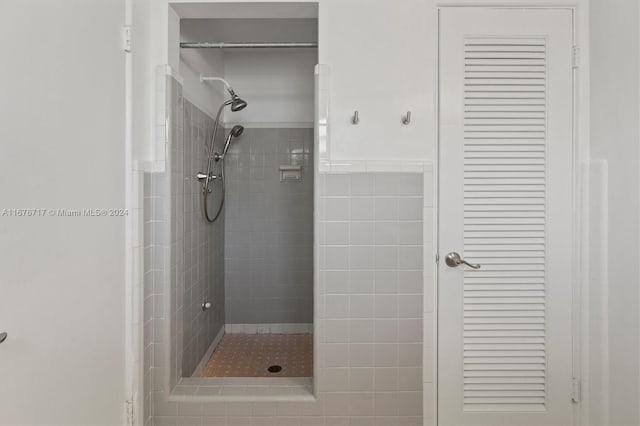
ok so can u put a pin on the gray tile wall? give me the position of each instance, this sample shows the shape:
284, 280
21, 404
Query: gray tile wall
269, 228
203, 243
183, 258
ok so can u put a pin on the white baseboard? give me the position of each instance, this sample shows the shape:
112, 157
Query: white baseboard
207, 355
269, 328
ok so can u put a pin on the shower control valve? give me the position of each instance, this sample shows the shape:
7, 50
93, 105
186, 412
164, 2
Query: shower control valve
203, 176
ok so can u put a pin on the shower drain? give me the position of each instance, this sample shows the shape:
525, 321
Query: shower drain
274, 369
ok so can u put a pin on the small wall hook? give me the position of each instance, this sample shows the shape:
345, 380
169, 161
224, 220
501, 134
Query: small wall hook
406, 120
356, 118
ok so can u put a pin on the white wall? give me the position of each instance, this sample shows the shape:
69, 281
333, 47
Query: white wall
150, 47
382, 59
615, 73
278, 84
62, 278
194, 62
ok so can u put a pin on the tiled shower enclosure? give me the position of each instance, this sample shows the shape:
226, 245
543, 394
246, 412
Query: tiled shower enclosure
369, 315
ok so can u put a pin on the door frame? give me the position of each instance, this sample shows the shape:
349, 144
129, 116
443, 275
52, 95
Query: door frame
580, 188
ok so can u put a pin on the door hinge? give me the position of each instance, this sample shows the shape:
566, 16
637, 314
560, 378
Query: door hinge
126, 38
576, 392
575, 56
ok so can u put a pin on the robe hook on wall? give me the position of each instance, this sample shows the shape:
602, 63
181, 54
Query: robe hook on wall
406, 120
356, 118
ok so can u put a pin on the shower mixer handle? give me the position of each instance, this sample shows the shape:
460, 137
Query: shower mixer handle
203, 176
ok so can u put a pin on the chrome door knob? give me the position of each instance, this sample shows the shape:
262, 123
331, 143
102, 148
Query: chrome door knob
3, 337
453, 260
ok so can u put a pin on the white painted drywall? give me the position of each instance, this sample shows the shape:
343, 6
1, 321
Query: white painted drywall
278, 84
615, 74
62, 147
382, 60
149, 22
195, 62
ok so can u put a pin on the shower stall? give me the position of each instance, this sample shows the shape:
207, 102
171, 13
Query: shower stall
242, 111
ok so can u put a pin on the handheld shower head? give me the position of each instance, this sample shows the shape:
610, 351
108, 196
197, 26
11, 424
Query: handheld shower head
234, 133
237, 131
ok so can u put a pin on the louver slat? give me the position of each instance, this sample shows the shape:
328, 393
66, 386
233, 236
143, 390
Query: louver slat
504, 225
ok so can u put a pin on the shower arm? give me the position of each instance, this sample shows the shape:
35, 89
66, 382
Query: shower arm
204, 79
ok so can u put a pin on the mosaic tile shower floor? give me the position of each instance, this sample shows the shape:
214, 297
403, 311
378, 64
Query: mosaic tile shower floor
251, 355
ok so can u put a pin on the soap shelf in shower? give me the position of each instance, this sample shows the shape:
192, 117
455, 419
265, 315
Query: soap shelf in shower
290, 173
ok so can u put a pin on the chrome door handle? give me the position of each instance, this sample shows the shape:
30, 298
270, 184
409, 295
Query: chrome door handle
3, 337
454, 260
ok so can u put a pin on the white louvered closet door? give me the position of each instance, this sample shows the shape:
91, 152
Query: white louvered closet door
505, 194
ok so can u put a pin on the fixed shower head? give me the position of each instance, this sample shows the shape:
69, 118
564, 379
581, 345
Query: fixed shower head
237, 104
235, 132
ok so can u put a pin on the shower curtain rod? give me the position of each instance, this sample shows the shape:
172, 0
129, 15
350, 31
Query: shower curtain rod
241, 45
